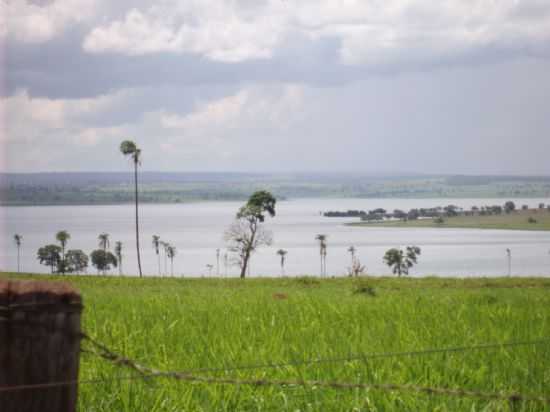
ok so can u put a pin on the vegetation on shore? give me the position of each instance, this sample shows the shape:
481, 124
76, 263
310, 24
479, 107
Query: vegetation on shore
532, 219
158, 187
186, 324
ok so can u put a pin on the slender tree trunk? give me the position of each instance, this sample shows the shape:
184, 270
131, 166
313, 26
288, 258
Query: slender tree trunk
18, 259
172, 266
165, 264
62, 259
158, 258
137, 216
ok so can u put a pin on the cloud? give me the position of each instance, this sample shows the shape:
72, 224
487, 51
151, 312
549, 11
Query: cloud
30, 119
213, 29
370, 33
40, 21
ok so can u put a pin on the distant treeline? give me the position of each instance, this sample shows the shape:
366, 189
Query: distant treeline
161, 187
434, 212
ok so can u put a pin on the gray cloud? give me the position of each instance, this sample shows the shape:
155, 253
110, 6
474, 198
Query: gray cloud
368, 87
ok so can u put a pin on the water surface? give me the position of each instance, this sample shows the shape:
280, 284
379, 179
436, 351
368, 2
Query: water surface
196, 229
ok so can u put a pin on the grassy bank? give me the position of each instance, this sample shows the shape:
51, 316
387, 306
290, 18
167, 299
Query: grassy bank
518, 220
182, 324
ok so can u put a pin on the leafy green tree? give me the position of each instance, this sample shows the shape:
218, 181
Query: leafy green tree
246, 233
62, 237
118, 254
50, 255
18, 239
156, 245
282, 253
509, 206
76, 261
129, 148
400, 261
103, 260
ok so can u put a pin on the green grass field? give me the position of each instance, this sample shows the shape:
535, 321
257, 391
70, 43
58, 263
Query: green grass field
185, 324
518, 220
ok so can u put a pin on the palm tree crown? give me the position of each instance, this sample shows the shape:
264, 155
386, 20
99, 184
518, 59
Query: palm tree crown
63, 237
104, 241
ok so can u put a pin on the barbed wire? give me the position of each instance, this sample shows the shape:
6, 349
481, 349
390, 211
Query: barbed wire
110, 355
146, 372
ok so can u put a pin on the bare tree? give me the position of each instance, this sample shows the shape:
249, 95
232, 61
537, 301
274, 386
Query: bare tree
244, 237
352, 251
247, 233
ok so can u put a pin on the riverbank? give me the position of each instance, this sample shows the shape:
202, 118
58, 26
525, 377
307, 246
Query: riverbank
187, 324
532, 219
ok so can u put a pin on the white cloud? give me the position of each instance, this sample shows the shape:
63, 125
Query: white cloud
252, 112
370, 32
30, 119
38, 22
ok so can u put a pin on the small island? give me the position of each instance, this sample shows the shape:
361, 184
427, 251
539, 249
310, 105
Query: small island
506, 216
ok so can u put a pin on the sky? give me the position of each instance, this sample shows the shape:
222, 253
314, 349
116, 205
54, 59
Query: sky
424, 86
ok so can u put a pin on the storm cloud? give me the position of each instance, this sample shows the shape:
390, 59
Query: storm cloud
274, 85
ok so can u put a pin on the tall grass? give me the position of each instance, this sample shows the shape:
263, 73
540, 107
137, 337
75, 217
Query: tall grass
182, 324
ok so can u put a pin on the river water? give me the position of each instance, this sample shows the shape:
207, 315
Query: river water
196, 230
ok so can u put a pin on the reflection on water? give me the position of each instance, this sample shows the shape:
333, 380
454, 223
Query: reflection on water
197, 230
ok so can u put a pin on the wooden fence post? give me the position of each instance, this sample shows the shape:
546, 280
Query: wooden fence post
39, 344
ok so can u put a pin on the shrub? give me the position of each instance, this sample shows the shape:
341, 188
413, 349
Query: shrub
307, 281
531, 220
364, 288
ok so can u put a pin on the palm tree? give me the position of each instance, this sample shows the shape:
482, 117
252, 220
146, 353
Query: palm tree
104, 243
171, 253
129, 148
156, 244
165, 246
226, 263
63, 237
118, 253
282, 253
218, 262
322, 251
352, 251
18, 239
209, 267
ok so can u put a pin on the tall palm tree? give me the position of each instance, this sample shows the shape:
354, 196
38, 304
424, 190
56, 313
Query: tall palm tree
129, 148
322, 251
118, 253
171, 253
104, 243
156, 245
282, 253
18, 239
352, 251
63, 237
